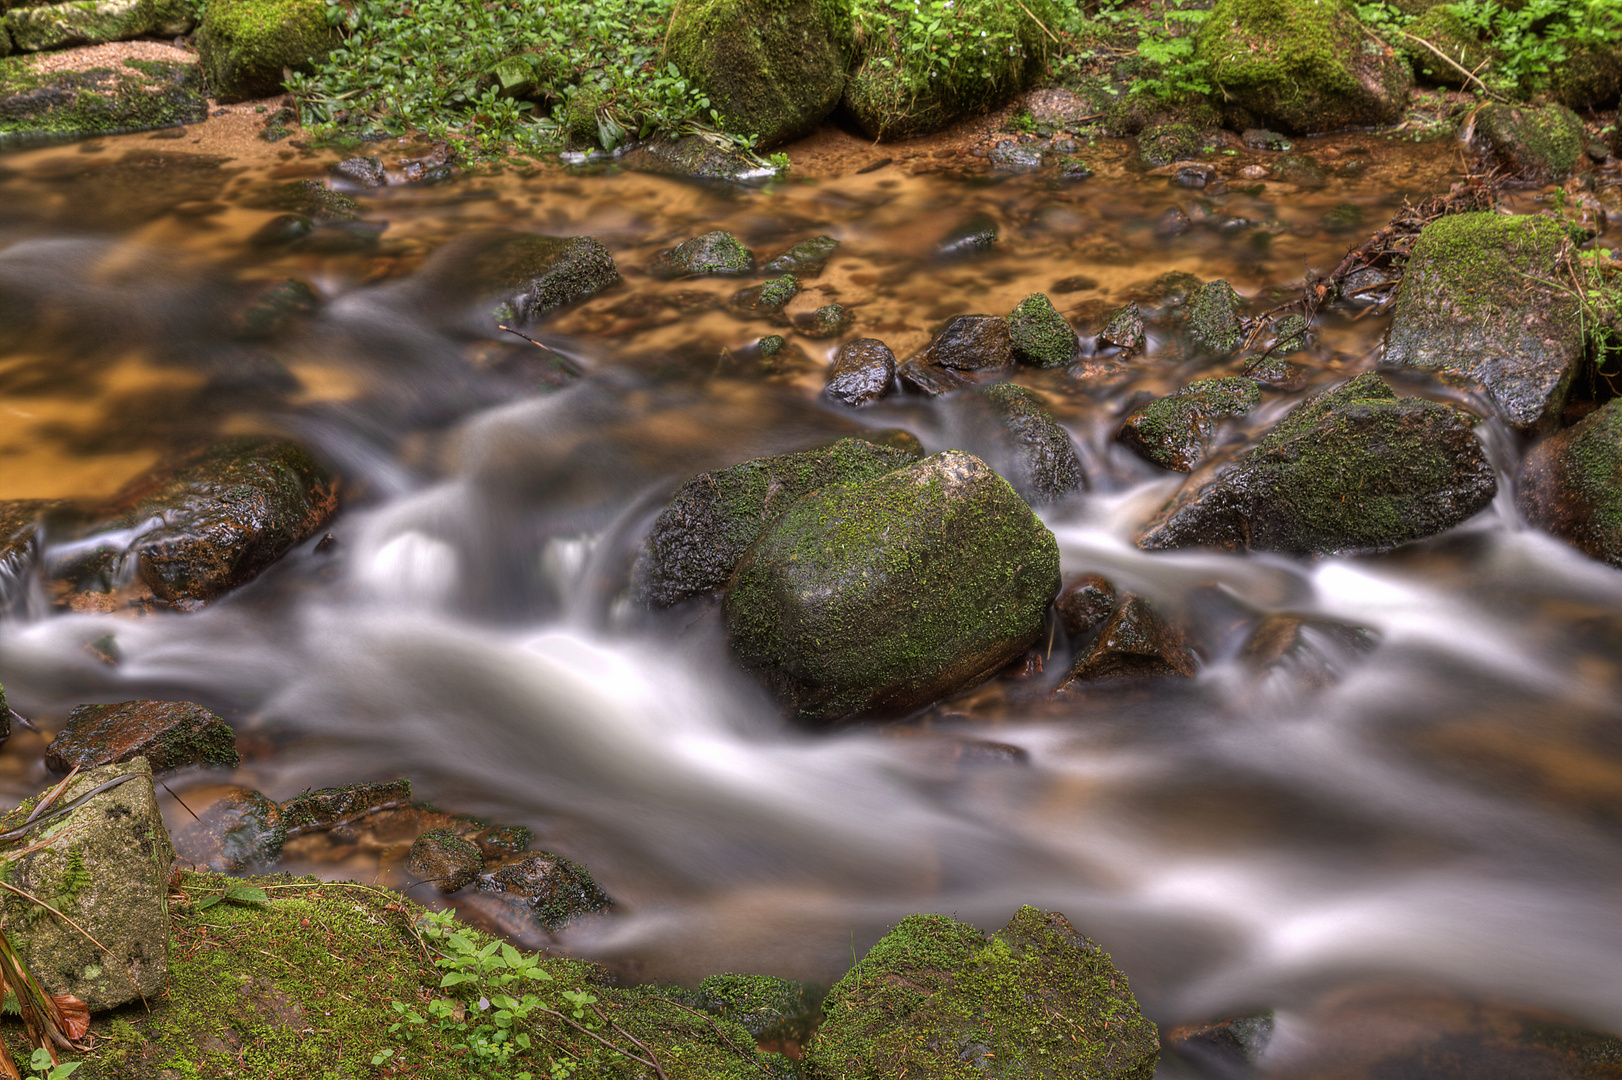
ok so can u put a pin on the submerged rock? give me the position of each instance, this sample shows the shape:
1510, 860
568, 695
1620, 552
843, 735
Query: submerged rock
1124, 329
971, 343
806, 259
879, 596
862, 371
1040, 335
246, 44
1570, 485
974, 234
240, 831
1212, 315
1355, 468
693, 157
556, 890
827, 321
104, 865
170, 735
929, 379
1034, 451
935, 998
698, 539
1176, 431
766, 299
1084, 604
448, 860
1135, 643
1537, 145
1476, 308
1313, 653
500, 276
717, 252
1163, 144
62, 96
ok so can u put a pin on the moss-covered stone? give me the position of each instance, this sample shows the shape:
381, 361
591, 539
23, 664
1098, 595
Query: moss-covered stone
827, 321
1040, 335
446, 859
1124, 329
328, 807
1212, 316
1136, 642
766, 299
693, 157
806, 258
774, 69
76, 103
1570, 485
1590, 77
906, 80
715, 252
556, 890
1446, 33
934, 998
1477, 306
245, 44
1175, 432
1163, 144
493, 277
1535, 145
91, 22
698, 539
761, 1004
1030, 448
877, 597
169, 734
1306, 65
1355, 468
104, 865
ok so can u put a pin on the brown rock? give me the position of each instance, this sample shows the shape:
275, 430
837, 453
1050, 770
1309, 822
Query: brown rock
169, 734
1084, 603
1136, 643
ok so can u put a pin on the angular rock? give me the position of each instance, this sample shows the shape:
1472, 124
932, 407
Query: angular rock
715, 252
241, 831
971, 343
93, 22
19, 541
1304, 65
1176, 431
1212, 316
766, 299
1163, 144
935, 998
1040, 335
827, 321
879, 596
1355, 468
1534, 145
367, 172
772, 69
92, 92
862, 371
1085, 603
807, 258
1032, 449
327, 807
1475, 308
1124, 330
693, 157
697, 540
974, 234
104, 865
169, 734
246, 44
446, 859
1231, 1047
499, 276
1570, 485
1314, 653
928, 378
1136, 643
557, 890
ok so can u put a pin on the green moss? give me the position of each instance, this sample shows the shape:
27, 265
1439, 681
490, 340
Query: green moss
764, 1005
1040, 335
768, 298
1537, 145
716, 252
1442, 28
1213, 317
245, 44
1593, 472
330, 806
1175, 432
91, 22
136, 96
1163, 144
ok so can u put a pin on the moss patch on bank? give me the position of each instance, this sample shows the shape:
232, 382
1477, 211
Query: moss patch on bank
137, 95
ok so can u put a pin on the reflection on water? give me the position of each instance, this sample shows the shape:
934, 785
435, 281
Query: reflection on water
1450, 811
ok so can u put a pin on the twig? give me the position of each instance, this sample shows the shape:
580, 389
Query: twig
592, 1034
21, 719
30, 896
645, 1049
1039, 22
51, 796
1455, 66
568, 365
182, 802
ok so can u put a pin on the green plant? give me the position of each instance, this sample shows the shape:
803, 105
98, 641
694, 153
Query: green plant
40, 1064
236, 893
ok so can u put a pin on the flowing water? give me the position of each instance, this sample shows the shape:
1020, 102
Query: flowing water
1444, 820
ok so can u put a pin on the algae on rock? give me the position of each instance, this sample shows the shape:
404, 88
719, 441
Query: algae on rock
245, 44
79, 98
1570, 485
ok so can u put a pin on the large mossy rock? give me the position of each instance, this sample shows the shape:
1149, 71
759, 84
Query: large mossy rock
879, 596
480, 279
772, 68
1479, 307
936, 998
1571, 485
1528, 143
81, 94
1305, 65
1355, 468
105, 865
697, 539
905, 83
245, 44
35, 26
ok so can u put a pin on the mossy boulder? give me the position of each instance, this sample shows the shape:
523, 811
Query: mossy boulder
692, 157
1589, 78
697, 540
326, 808
1355, 468
1446, 33
93, 22
1176, 431
1040, 335
806, 258
877, 597
917, 71
245, 44
1536, 145
168, 734
1124, 329
1478, 307
827, 321
1211, 317
1570, 485
80, 97
936, 998
761, 1004
717, 253
772, 68
766, 299
556, 890
449, 861
1305, 65
1163, 144
480, 279
104, 865
1020, 436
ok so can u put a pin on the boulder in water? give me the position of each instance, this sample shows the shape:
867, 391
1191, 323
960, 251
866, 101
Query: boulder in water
877, 597
493, 277
766, 299
239, 831
1533, 144
75, 95
713, 253
1039, 334
169, 734
862, 371
1135, 643
247, 44
971, 343
806, 259
1570, 485
693, 157
446, 859
1176, 431
94, 22
1030, 448
554, 889
1212, 315
1085, 603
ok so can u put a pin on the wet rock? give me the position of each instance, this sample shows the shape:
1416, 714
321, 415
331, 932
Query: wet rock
1015, 158
862, 371
1226, 1048
492, 277
273, 308
61, 96
1472, 310
1172, 222
1124, 330
1163, 144
1301, 170
693, 157
1170, 290
974, 234
446, 859
1032, 449
1193, 174
169, 734
1136, 643
880, 596
1303, 65
827, 321
1355, 468
807, 258
501, 841
718, 253
971, 343
34, 27
766, 299
1314, 653
929, 379
191, 529
282, 229
1534, 145
1213, 317
1273, 369
1071, 168
246, 44
1039, 334
365, 171
19, 541
555, 889
1262, 139
1570, 485
327, 807
761, 1004
104, 865
698, 539
936, 998
314, 200
1084, 604
1176, 431
239, 832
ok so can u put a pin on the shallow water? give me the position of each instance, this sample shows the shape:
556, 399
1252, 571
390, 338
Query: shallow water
1449, 815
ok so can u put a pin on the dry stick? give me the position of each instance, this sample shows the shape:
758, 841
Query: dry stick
1455, 66
645, 1049
21, 719
181, 801
51, 796
1038, 22
592, 1034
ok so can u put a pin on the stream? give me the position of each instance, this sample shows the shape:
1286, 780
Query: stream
1443, 823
